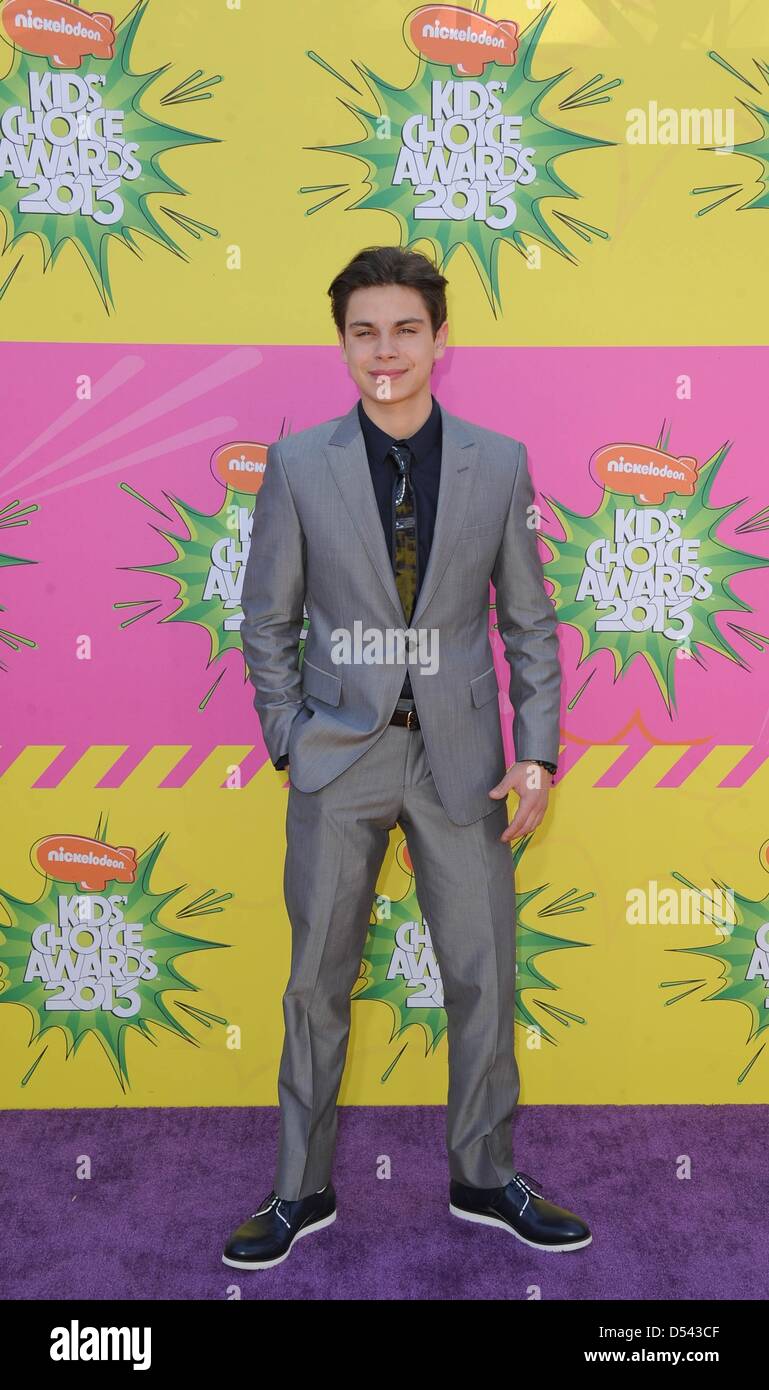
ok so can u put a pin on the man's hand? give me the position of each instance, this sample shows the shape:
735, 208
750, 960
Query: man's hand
532, 783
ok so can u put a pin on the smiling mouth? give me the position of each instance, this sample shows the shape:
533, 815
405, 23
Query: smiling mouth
389, 371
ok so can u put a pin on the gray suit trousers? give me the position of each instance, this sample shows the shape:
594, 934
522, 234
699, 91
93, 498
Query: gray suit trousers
337, 838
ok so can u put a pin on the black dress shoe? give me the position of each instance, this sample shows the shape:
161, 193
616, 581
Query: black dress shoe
266, 1238
521, 1210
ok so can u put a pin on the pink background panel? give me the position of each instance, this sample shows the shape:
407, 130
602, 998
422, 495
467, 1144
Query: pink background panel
158, 413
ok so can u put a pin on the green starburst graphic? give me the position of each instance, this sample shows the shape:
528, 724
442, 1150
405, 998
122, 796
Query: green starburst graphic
143, 906
14, 514
398, 970
121, 90
207, 568
721, 562
741, 952
755, 149
382, 142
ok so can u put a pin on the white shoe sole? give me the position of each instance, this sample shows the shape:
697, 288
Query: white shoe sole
505, 1226
270, 1264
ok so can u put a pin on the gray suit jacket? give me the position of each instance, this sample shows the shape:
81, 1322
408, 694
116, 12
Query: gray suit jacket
317, 542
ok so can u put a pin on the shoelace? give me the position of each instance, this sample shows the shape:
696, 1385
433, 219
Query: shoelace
523, 1180
273, 1201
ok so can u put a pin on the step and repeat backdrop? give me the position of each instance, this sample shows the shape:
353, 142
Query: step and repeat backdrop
179, 183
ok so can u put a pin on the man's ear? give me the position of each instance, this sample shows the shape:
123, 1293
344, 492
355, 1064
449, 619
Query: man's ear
440, 339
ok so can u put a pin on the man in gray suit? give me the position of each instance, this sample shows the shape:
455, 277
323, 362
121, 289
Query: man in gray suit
386, 524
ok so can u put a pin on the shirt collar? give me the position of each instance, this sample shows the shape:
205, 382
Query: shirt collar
378, 442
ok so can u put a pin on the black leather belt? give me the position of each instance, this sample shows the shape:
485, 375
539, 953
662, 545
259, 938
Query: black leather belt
407, 717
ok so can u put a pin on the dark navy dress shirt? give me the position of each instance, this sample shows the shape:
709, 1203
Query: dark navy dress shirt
426, 447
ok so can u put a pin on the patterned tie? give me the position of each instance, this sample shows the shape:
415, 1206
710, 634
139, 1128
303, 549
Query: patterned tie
404, 528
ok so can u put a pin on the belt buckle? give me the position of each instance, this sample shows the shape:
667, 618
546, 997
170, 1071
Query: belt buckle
412, 714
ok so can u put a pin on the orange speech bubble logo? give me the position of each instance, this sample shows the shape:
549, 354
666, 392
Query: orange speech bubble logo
240, 466
59, 31
462, 39
79, 859
636, 470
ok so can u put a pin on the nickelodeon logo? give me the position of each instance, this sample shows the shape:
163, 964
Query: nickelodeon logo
79, 859
241, 466
462, 39
57, 30
635, 470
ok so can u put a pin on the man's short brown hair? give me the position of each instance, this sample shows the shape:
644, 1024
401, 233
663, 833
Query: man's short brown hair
390, 265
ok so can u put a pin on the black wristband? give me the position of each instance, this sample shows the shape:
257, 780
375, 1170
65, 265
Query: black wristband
552, 768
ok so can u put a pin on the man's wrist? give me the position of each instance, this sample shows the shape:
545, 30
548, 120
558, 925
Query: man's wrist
552, 768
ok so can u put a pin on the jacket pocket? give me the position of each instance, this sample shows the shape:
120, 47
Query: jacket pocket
484, 687
476, 526
323, 685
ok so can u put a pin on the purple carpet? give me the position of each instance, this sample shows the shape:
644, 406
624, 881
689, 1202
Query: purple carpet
167, 1186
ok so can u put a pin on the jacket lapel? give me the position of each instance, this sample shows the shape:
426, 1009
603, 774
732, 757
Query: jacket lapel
348, 461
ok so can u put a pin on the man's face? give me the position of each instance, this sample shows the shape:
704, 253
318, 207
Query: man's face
388, 342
